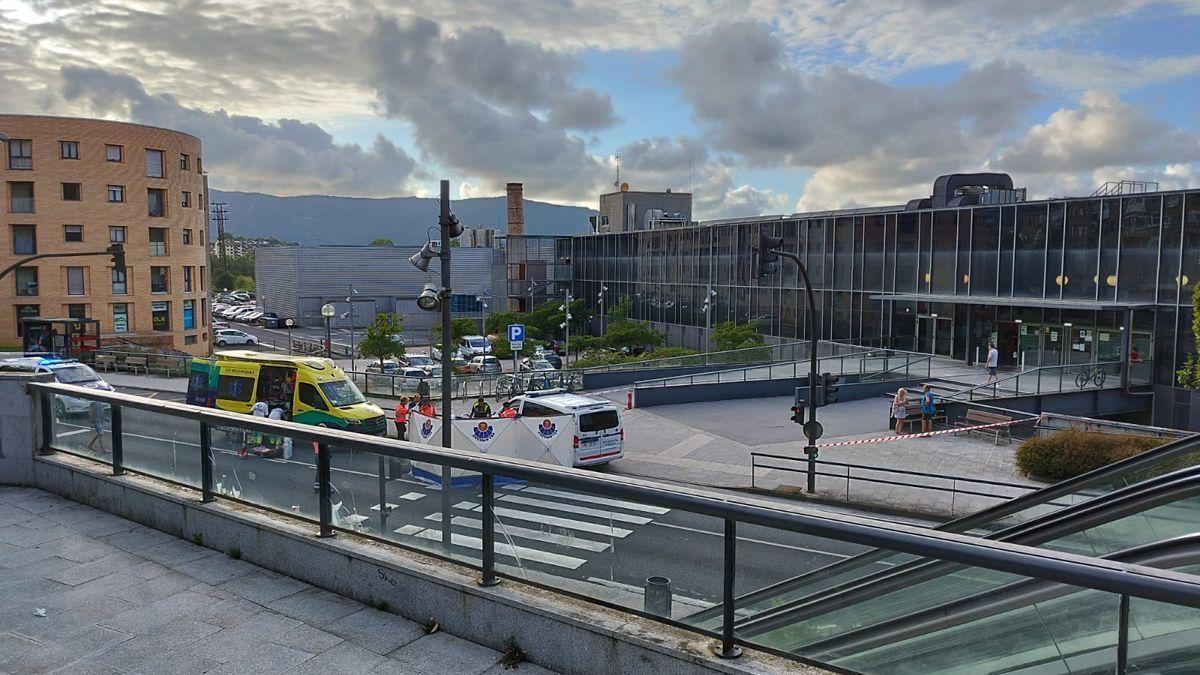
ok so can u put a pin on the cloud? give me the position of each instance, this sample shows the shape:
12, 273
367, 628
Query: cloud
585, 110
684, 163
287, 156
484, 126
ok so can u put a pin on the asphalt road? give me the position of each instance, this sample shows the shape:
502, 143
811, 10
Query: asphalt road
583, 543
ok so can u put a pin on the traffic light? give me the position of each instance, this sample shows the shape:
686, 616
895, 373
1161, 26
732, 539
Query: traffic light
117, 251
829, 388
766, 261
798, 414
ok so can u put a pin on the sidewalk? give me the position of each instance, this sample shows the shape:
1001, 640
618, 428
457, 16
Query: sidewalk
120, 597
710, 444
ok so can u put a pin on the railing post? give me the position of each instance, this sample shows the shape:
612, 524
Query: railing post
118, 442
47, 412
729, 650
1123, 635
324, 493
383, 507
206, 463
489, 532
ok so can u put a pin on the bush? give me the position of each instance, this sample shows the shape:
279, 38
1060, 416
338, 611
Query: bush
1069, 453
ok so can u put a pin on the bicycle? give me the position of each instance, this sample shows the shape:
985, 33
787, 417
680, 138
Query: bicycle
1093, 374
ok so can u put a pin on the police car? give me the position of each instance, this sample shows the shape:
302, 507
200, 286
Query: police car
66, 371
599, 436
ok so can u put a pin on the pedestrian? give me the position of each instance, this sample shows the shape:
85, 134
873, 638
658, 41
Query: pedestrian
508, 411
481, 409
402, 418
900, 409
255, 438
96, 422
274, 442
426, 408
927, 408
993, 360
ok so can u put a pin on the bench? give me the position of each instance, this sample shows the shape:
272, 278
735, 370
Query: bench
166, 365
106, 362
134, 363
913, 413
978, 417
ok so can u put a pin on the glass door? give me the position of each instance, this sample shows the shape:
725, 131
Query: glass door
1053, 339
943, 336
1029, 345
925, 334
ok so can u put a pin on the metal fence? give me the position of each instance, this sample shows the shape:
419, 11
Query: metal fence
881, 365
762, 354
1046, 380
178, 443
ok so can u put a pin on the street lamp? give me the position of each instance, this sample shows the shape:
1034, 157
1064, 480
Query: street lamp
289, 323
601, 296
350, 313
707, 309
566, 326
327, 311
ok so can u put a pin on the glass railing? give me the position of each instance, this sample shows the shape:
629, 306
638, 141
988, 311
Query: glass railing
647, 548
877, 366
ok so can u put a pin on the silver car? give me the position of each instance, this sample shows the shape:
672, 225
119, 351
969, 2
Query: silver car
487, 365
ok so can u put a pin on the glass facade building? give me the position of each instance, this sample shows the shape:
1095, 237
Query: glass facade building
1049, 282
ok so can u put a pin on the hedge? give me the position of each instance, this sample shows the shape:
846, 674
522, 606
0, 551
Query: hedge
1069, 453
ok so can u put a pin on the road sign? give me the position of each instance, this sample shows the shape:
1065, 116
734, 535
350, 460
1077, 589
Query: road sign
516, 336
813, 429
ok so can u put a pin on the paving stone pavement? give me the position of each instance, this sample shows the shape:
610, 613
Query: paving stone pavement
123, 598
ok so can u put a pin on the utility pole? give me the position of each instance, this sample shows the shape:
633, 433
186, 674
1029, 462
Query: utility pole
219, 213
566, 326
445, 225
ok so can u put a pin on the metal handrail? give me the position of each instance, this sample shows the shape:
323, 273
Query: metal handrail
1133, 580
908, 363
956, 396
710, 358
796, 367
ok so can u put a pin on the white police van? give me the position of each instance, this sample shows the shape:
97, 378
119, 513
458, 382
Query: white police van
599, 436
66, 371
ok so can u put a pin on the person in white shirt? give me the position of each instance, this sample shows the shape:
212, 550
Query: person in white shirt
993, 359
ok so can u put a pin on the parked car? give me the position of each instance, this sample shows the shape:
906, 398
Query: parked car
553, 359
421, 361
232, 336
474, 345
220, 325
488, 365
386, 367
460, 364
555, 345
436, 352
533, 364
250, 317
270, 320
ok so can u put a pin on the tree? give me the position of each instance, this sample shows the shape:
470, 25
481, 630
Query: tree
497, 323
621, 310
631, 335
458, 328
501, 348
382, 340
727, 336
382, 242
1189, 375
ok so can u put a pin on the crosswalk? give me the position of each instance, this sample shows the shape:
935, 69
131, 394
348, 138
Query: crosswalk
553, 529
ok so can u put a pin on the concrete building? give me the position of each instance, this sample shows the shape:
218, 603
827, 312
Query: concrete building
77, 185
294, 281
629, 211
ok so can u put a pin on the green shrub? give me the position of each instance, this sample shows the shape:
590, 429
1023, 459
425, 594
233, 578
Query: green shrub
1069, 453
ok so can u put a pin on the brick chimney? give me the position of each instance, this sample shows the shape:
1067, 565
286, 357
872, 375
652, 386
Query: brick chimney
516, 208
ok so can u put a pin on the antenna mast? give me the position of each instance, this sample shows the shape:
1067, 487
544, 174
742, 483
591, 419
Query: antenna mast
220, 213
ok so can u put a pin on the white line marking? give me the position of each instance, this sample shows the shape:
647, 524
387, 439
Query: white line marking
615, 503
413, 496
71, 433
570, 508
518, 552
568, 540
757, 541
389, 505
408, 530
546, 519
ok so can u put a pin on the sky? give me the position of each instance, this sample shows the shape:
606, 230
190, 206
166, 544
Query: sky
771, 106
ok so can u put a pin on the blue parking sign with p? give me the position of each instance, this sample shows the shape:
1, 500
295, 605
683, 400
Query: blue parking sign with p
516, 332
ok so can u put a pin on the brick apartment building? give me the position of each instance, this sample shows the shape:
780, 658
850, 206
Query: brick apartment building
75, 185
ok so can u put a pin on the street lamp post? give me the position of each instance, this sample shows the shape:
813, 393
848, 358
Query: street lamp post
566, 326
445, 222
327, 311
350, 301
708, 310
602, 289
289, 323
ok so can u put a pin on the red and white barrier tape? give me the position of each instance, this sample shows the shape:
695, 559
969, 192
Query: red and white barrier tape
925, 434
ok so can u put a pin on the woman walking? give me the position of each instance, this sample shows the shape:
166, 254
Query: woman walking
900, 409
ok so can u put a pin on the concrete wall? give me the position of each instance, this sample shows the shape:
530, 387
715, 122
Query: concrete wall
18, 434
626, 377
850, 390
1089, 403
1176, 408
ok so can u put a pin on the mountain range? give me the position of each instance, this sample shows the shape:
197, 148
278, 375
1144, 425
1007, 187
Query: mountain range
320, 219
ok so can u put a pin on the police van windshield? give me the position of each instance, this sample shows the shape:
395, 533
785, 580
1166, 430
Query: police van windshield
75, 374
342, 393
598, 421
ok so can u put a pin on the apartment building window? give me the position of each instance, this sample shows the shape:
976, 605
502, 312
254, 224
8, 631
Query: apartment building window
68, 149
159, 280
184, 161
72, 192
158, 241
154, 163
73, 234
160, 316
187, 279
203, 311
24, 239
27, 281
199, 166
202, 277
75, 284
156, 202
77, 311
26, 312
189, 339
20, 197
120, 317
116, 193
185, 199
20, 154
116, 234
189, 314
187, 235
120, 283
114, 153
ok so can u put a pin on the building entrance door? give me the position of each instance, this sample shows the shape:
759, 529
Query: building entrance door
1029, 345
1007, 343
1053, 339
935, 335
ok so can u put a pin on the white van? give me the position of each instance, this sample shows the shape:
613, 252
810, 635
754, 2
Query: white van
599, 436
474, 345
